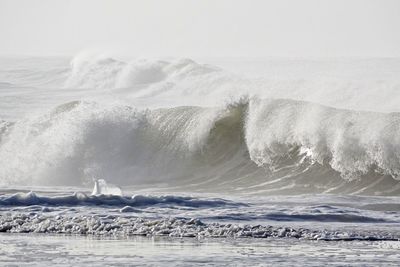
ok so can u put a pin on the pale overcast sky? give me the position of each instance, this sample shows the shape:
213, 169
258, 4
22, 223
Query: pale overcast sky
294, 28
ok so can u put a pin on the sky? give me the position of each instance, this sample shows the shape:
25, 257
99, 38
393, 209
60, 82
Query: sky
202, 28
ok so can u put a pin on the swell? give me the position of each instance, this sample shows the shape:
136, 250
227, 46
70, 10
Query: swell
250, 146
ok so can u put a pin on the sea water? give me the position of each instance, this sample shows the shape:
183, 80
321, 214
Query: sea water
216, 161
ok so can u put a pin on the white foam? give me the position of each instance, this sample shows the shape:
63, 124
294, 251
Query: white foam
120, 226
101, 187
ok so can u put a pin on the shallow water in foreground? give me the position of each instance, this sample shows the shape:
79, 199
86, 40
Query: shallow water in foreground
44, 228
44, 250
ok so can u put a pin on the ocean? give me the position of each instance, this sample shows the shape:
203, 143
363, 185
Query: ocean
212, 161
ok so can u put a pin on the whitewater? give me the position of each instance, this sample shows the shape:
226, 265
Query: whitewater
289, 150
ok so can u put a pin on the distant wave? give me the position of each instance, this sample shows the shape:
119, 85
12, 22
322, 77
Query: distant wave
105, 72
348, 84
260, 146
366, 85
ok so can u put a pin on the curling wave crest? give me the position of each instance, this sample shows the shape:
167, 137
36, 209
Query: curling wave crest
257, 146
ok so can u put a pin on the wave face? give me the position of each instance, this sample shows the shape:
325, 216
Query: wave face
257, 146
295, 127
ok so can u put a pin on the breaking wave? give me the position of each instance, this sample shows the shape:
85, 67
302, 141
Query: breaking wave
359, 85
257, 146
